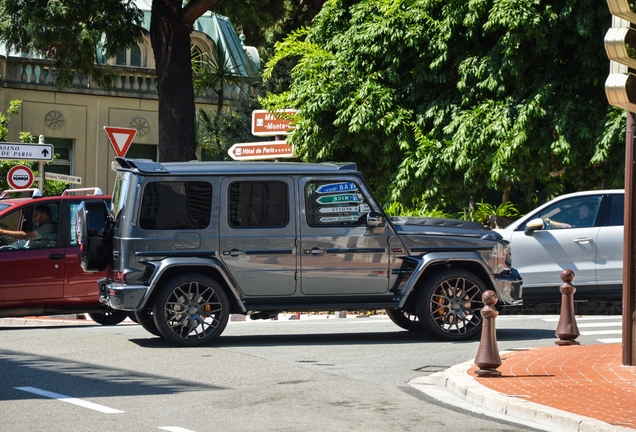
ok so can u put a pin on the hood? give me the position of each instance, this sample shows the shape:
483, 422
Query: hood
438, 226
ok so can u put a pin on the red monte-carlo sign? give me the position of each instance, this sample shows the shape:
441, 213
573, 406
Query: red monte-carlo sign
265, 123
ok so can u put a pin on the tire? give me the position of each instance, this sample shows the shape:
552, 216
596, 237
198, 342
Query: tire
145, 319
191, 310
94, 235
109, 318
406, 320
449, 305
132, 317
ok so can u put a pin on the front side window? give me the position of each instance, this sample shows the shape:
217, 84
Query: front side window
176, 205
258, 204
332, 203
579, 212
31, 227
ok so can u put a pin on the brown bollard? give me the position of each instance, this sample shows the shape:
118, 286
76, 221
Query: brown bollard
567, 330
487, 357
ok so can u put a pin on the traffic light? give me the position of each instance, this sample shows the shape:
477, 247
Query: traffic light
620, 45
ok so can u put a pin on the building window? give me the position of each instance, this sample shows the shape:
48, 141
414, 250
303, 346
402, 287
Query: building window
129, 56
63, 160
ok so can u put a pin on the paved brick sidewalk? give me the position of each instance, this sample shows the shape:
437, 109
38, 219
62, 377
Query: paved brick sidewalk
585, 380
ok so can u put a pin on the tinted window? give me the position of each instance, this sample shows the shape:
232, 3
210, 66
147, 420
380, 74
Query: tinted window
176, 205
331, 203
617, 210
258, 204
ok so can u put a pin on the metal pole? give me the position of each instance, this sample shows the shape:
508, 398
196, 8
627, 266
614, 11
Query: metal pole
629, 254
41, 168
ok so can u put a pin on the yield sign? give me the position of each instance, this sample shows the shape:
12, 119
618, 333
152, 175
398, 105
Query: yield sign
120, 138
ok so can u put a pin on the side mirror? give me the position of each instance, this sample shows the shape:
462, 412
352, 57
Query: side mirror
375, 219
533, 225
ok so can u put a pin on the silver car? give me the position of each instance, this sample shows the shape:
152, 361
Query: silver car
582, 231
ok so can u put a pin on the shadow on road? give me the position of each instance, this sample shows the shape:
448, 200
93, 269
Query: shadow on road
370, 338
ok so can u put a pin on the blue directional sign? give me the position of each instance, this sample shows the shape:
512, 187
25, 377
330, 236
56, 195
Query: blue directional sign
337, 187
342, 198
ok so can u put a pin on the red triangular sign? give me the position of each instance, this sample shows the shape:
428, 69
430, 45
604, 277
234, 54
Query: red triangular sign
120, 138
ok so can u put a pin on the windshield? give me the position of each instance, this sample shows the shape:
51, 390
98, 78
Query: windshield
4, 206
119, 193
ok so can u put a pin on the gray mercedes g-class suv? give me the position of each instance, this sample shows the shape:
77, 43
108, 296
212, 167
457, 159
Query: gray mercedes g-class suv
185, 245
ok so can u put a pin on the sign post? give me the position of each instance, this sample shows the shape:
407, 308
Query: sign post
120, 138
619, 88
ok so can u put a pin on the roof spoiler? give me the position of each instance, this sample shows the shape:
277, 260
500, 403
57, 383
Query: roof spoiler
145, 166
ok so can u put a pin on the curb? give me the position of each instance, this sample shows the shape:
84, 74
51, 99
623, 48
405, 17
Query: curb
39, 321
460, 383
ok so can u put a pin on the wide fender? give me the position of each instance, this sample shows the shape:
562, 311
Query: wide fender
423, 264
193, 263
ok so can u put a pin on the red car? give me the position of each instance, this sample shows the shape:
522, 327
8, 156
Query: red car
39, 257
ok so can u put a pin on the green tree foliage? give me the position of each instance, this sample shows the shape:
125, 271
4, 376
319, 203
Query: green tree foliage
441, 100
70, 32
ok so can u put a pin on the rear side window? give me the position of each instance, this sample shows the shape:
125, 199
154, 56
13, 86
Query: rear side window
176, 205
258, 204
617, 209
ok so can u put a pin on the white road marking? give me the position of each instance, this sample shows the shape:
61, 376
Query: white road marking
601, 332
588, 318
71, 400
610, 340
607, 324
174, 429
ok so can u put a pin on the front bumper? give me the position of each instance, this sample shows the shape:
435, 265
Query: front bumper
510, 288
121, 297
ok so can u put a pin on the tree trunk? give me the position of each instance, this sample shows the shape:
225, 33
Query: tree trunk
170, 39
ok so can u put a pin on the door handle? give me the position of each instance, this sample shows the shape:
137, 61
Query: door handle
233, 253
314, 251
56, 257
583, 240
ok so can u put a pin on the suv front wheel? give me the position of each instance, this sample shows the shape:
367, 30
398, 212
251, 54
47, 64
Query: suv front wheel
191, 310
449, 305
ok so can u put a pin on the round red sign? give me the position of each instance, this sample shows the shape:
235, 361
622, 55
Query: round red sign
20, 177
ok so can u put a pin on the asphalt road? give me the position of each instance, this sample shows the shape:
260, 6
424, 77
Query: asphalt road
311, 374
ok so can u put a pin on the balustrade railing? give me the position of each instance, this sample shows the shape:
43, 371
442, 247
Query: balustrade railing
27, 72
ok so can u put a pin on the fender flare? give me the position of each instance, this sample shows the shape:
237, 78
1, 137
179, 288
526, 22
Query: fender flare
424, 262
161, 266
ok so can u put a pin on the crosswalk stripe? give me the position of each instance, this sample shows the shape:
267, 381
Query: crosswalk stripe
608, 324
601, 332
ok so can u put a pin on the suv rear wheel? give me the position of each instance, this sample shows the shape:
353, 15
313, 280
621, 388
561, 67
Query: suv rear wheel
191, 310
449, 305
